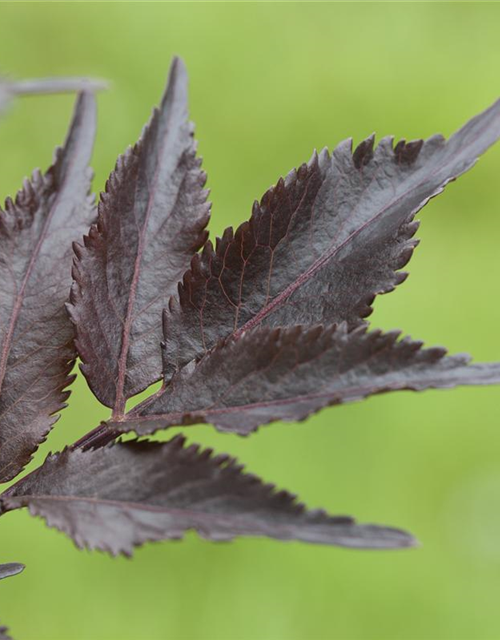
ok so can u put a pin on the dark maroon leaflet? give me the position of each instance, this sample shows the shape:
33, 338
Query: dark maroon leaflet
287, 374
36, 235
152, 219
174, 488
321, 243
120, 401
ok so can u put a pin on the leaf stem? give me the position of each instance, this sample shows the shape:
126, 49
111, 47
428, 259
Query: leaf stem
55, 85
98, 437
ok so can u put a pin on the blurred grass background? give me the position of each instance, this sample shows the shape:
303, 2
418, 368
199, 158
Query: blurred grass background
269, 82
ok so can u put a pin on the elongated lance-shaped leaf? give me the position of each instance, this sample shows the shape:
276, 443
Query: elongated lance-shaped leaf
123, 495
10, 89
36, 336
287, 374
321, 243
152, 219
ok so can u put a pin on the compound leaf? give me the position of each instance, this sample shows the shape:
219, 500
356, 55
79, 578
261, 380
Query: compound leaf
126, 494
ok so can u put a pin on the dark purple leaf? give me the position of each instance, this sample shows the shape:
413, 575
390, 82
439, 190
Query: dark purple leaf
287, 374
126, 494
321, 243
36, 337
9, 89
152, 220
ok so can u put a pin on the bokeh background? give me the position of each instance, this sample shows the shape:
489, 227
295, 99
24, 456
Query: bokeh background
269, 82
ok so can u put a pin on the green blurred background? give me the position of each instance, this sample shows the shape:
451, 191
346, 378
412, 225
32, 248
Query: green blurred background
269, 82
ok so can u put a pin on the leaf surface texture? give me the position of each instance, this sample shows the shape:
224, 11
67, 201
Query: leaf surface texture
287, 374
152, 220
126, 494
321, 243
37, 229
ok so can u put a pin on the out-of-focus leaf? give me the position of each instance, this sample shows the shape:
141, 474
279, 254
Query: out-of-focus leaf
126, 494
36, 336
10, 89
4, 97
287, 374
322, 242
10, 569
4, 635
6, 571
152, 220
